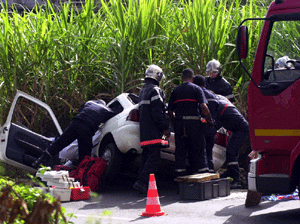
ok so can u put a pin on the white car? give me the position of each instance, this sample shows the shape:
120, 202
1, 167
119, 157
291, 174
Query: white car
31, 126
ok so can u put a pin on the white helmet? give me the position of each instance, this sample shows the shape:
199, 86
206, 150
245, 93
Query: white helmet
281, 62
214, 65
154, 72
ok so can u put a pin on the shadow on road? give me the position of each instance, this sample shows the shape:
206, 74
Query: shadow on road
125, 197
240, 214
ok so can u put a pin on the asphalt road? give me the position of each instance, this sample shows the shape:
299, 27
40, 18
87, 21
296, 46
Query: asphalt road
124, 205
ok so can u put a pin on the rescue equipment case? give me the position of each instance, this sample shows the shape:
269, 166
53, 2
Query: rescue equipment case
203, 186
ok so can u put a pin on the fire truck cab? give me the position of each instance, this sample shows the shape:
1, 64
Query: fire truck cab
274, 98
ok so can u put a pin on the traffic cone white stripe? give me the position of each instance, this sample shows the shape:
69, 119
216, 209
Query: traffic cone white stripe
153, 201
152, 185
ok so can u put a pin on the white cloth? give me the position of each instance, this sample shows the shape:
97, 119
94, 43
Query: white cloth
71, 151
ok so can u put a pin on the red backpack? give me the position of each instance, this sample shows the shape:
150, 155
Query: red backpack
89, 172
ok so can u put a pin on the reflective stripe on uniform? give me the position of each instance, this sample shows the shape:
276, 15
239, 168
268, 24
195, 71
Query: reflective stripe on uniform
180, 170
158, 95
154, 141
144, 102
191, 118
224, 109
229, 96
213, 100
232, 163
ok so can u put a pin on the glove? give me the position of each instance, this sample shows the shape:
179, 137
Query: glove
210, 122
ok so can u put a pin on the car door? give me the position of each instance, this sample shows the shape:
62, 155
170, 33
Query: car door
30, 127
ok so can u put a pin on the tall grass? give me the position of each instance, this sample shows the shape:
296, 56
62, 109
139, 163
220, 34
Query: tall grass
65, 57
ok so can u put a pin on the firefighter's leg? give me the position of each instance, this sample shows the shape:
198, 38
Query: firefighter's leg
197, 151
232, 154
210, 141
67, 137
151, 163
180, 150
85, 141
141, 183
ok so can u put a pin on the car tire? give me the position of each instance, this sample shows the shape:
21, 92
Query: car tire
113, 156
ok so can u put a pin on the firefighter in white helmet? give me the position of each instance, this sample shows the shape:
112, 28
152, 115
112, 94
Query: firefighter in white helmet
154, 123
216, 82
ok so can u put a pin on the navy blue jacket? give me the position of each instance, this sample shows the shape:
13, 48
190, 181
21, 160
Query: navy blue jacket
185, 100
213, 105
213, 102
220, 86
94, 113
229, 116
153, 117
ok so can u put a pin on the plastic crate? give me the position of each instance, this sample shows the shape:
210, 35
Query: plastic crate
204, 190
60, 193
81, 193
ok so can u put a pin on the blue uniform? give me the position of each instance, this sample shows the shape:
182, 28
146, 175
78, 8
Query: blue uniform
153, 122
83, 127
210, 132
231, 119
220, 86
189, 132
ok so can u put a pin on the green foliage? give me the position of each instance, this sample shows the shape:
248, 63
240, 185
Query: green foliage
92, 220
65, 57
30, 195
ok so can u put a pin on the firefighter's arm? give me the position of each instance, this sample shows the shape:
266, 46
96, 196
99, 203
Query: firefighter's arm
206, 112
158, 110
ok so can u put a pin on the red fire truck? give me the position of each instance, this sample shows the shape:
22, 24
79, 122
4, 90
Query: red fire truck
274, 98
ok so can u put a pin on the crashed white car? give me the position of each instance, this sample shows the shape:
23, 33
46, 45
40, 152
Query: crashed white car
31, 126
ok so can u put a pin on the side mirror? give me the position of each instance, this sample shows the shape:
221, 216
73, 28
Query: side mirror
242, 41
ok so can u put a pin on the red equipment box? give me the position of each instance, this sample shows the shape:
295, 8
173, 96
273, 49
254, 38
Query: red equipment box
80, 193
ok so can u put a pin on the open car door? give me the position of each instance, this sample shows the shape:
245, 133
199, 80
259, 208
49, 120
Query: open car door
30, 127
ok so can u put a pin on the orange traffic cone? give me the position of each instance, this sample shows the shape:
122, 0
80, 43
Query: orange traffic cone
153, 204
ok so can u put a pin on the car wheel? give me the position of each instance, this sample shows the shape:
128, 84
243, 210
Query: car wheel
113, 156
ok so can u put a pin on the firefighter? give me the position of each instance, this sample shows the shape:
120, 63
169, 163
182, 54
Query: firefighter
183, 109
229, 117
83, 127
216, 82
154, 124
210, 131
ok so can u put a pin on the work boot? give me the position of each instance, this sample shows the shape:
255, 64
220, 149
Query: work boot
45, 156
141, 187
